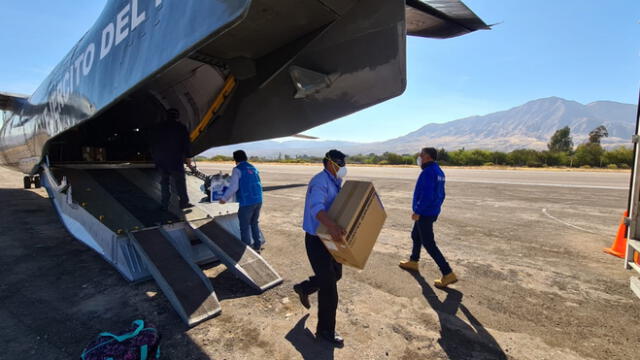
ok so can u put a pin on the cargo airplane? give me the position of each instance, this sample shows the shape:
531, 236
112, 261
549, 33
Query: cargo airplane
237, 71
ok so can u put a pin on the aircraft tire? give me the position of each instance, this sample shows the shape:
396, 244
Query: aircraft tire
36, 182
27, 182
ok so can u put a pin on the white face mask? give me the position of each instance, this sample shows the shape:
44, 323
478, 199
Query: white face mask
342, 172
419, 161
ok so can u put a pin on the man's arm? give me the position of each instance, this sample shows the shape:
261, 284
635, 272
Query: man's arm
337, 233
233, 187
417, 195
187, 147
318, 193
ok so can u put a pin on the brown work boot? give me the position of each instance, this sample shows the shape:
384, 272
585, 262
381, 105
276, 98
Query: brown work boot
409, 265
446, 280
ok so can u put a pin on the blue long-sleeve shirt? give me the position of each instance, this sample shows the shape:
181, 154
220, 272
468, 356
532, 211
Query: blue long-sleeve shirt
321, 192
429, 193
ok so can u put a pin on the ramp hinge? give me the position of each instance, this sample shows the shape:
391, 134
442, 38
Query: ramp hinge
627, 221
635, 139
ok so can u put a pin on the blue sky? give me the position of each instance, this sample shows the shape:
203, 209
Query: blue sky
583, 50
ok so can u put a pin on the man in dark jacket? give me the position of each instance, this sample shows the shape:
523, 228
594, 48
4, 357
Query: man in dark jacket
428, 197
170, 142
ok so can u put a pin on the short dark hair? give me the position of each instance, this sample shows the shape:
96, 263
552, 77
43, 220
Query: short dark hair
335, 156
431, 152
240, 156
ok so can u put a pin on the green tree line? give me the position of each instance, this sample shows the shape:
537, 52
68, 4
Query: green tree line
560, 153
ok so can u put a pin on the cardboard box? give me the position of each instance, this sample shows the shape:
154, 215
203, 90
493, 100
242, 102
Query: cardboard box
100, 154
88, 153
359, 211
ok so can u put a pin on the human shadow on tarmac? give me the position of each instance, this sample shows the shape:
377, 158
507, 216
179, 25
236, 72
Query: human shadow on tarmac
306, 344
459, 340
281, 187
228, 286
57, 295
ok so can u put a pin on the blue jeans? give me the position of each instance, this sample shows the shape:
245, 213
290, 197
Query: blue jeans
422, 235
249, 216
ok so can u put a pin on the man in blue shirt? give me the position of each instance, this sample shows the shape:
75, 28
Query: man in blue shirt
245, 183
428, 197
322, 191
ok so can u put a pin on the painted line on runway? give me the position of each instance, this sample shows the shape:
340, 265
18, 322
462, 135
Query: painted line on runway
544, 211
605, 187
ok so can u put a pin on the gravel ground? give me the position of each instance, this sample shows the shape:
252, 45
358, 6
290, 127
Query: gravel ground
527, 246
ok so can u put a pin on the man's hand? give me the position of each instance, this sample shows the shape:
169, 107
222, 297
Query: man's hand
337, 233
415, 217
189, 163
222, 202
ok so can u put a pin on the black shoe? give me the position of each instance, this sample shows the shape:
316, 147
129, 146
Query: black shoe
256, 249
186, 206
334, 339
304, 297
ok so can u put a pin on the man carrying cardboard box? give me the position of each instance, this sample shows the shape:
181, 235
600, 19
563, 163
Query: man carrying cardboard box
428, 197
321, 192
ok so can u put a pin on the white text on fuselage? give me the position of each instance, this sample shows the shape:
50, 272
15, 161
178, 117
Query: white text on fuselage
126, 21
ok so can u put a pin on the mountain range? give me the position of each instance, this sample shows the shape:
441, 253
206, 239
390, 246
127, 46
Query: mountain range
526, 126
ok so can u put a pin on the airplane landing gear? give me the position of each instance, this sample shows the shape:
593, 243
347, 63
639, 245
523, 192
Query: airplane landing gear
29, 180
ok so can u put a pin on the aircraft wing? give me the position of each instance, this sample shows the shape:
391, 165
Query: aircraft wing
11, 102
441, 19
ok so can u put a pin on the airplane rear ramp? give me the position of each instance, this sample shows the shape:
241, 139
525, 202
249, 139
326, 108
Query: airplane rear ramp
238, 257
114, 209
189, 291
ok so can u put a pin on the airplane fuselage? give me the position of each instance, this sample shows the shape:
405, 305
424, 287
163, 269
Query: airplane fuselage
292, 65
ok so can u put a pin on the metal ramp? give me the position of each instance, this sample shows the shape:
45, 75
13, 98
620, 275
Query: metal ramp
247, 264
189, 291
115, 210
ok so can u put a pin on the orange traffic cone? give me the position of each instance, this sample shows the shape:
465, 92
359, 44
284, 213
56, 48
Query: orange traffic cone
619, 246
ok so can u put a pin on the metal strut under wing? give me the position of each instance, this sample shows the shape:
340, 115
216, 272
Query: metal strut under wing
189, 291
238, 257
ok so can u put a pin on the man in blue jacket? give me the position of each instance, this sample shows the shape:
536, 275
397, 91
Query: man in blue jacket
428, 197
245, 183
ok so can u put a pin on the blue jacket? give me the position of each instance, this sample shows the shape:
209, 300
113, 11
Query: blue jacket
250, 187
428, 195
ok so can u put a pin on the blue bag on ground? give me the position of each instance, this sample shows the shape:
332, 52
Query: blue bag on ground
140, 342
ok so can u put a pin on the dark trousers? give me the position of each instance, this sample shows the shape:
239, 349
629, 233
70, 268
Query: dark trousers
325, 281
422, 235
249, 219
180, 185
